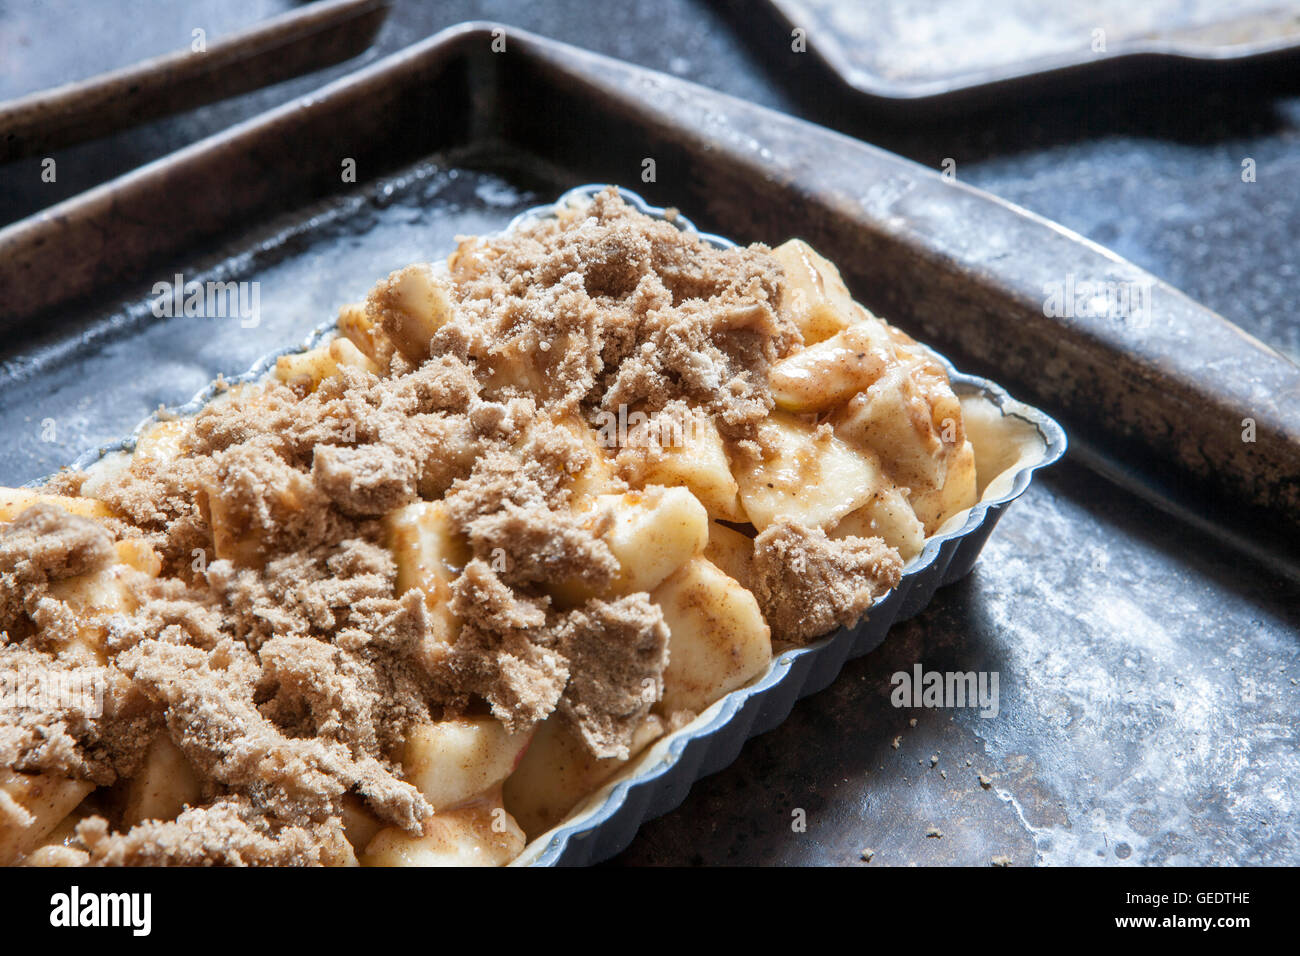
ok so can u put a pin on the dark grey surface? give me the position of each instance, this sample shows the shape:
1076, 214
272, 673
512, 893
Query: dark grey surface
1148, 678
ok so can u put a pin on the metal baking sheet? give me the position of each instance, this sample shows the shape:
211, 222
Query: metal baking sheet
929, 50
1149, 671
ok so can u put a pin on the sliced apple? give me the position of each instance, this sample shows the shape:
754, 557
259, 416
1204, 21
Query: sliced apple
14, 501
410, 306
429, 555
597, 476
651, 533
360, 826
163, 441
512, 368
557, 771
361, 331
685, 451
809, 475
91, 597
814, 294
832, 371
731, 551
31, 806
654, 532
480, 834
958, 493
911, 420
138, 554
452, 762
307, 369
719, 640
163, 786
889, 516
345, 353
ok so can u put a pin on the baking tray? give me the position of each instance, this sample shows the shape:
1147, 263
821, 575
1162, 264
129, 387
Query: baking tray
961, 269
450, 137
926, 53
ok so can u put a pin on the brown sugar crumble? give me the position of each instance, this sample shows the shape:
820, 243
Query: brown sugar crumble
260, 627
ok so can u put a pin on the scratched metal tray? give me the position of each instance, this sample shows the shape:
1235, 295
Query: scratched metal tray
449, 137
928, 51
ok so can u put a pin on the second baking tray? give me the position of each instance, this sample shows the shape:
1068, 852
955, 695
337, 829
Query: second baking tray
951, 53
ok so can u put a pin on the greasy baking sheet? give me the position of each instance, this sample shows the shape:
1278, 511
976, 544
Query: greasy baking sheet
918, 50
1148, 671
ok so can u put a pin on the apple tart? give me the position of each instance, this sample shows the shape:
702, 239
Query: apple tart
413, 596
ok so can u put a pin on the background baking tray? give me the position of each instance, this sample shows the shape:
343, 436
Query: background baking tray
929, 52
1148, 671
299, 41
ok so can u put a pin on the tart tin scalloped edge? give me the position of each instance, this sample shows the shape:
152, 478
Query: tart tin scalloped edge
658, 779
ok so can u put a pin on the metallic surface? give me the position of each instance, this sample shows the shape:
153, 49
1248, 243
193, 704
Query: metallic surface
1134, 391
1148, 673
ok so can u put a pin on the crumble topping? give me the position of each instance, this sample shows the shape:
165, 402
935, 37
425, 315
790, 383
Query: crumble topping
617, 651
808, 583
226, 833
